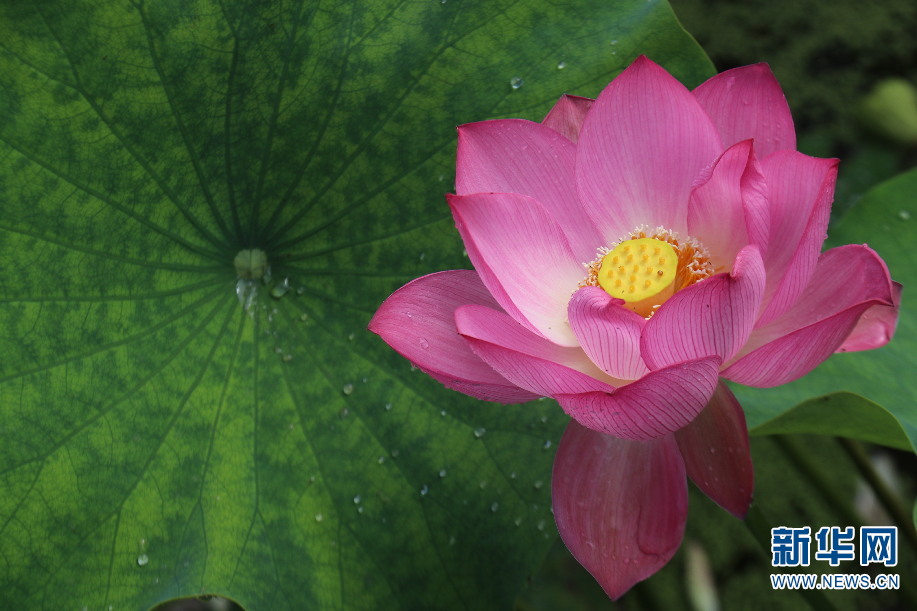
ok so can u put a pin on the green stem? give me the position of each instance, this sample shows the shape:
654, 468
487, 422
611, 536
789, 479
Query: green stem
890, 501
760, 530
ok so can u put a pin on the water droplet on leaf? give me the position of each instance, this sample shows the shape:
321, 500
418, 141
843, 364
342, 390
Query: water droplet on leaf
348, 389
479, 432
516, 82
142, 560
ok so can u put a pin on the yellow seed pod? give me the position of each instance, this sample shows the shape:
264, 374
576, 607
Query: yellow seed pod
641, 272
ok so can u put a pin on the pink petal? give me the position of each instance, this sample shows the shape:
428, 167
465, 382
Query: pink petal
848, 281
608, 332
800, 191
566, 117
876, 326
417, 321
711, 318
620, 506
525, 359
716, 452
747, 102
728, 211
516, 156
523, 256
642, 145
657, 404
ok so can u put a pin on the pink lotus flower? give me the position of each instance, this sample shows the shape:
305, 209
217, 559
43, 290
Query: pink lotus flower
700, 227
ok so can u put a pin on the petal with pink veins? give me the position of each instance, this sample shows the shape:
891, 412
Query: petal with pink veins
748, 102
642, 145
516, 156
620, 506
522, 255
567, 115
525, 359
728, 210
608, 332
800, 191
417, 320
716, 452
848, 281
713, 317
659, 403
876, 326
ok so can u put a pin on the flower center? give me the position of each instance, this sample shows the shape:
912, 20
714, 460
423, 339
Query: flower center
648, 267
641, 272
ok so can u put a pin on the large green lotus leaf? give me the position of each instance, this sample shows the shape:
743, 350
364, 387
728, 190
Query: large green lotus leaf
168, 430
843, 414
882, 219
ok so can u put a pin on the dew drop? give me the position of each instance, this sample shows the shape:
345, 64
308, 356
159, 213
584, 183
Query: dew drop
304, 317
280, 289
494, 506
516, 82
287, 358
394, 453
423, 343
319, 517
301, 290
614, 42
517, 521
904, 215
350, 337
512, 475
442, 473
547, 444
360, 509
442, 413
348, 389
142, 560
381, 460
561, 65
357, 499
479, 432
388, 407
424, 490
540, 525
538, 484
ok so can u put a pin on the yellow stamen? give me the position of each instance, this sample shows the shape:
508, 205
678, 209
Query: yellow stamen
643, 287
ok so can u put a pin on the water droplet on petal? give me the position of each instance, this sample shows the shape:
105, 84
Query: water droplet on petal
516, 82
424, 343
142, 560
